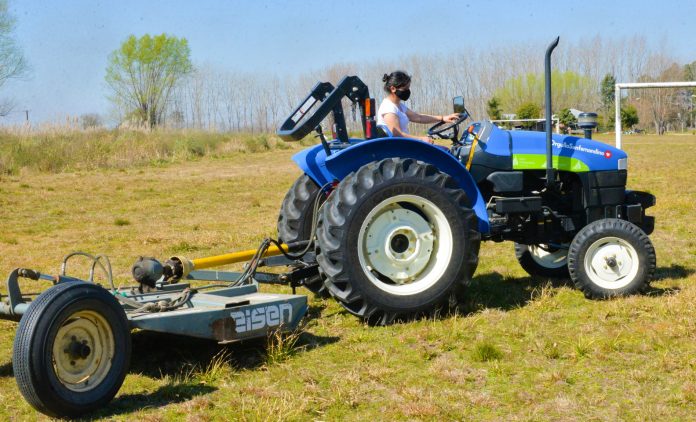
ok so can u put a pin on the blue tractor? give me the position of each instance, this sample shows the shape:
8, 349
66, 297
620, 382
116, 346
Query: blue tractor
397, 223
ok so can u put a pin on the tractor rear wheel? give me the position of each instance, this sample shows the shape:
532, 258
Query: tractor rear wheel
72, 350
611, 257
542, 260
295, 221
397, 239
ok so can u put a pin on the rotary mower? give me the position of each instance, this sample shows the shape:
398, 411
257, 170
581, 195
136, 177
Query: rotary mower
389, 227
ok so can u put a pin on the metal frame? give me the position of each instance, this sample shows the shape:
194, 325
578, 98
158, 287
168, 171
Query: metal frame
221, 311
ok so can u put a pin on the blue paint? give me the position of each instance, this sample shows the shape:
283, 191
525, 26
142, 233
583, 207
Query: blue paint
596, 155
315, 164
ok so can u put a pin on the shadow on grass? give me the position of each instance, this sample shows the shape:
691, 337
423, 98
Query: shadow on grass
6, 370
492, 290
169, 357
315, 309
166, 394
158, 355
673, 272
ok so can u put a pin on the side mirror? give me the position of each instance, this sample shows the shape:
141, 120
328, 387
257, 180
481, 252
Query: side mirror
458, 104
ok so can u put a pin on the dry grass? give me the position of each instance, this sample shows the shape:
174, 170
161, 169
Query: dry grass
522, 349
67, 149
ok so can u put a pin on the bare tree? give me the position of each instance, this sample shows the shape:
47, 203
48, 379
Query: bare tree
223, 99
659, 105
12, 62
91, 121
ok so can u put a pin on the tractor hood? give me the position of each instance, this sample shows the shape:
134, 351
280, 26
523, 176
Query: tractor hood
570, 153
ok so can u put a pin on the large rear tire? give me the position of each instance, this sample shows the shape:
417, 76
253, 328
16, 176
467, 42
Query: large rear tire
611, 257
72, 350
295, 222
397, 239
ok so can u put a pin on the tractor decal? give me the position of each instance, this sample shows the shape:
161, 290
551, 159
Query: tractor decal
577, 147
538, 162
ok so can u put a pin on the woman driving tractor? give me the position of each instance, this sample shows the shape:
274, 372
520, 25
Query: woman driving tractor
393, 115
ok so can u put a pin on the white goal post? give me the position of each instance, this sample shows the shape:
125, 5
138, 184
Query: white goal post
628, 85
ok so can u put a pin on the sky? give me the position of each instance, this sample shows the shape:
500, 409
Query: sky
67, 43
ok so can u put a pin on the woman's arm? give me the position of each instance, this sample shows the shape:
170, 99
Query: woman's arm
392, 122
427, 118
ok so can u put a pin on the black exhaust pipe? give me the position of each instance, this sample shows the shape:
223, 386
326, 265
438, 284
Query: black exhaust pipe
550, 173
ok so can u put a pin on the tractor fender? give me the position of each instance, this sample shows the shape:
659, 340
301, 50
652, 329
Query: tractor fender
342, 162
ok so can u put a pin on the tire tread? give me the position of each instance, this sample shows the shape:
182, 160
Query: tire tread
331, 228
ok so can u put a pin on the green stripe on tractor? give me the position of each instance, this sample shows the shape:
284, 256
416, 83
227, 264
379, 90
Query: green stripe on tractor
538, 162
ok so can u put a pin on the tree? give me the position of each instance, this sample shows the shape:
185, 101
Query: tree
659, 104
607, 91
143, 72
566, 119
568, 90
493, 109
12, 62
629, 116
90, 121
528, 111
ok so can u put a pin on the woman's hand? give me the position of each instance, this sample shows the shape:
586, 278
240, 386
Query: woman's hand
427, 139
450, 118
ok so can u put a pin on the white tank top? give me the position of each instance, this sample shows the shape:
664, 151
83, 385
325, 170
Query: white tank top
389, 107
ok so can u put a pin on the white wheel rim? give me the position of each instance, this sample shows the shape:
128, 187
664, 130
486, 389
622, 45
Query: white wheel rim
546, 259
411, 249
611, 263
83, 350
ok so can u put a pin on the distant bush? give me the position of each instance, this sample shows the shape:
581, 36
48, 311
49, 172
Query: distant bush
57, 151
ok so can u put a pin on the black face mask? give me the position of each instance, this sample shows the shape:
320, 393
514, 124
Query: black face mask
403, 94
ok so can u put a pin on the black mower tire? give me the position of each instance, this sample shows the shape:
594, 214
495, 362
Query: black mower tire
350, 206
71, 312
611, 257
295, 222
535, 268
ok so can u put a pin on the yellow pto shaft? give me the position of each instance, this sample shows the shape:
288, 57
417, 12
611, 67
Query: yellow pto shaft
234, 257
178, 267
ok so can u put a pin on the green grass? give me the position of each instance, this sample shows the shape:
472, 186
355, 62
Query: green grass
520, 349
485, 352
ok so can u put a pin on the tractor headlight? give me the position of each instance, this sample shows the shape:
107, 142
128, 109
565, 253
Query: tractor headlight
623, 163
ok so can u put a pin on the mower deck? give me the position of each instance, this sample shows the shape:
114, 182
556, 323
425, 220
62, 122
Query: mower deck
224, 315
216, 312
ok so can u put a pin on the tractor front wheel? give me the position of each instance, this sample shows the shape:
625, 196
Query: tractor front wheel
542, 260
72, 350
397, 239
611, 257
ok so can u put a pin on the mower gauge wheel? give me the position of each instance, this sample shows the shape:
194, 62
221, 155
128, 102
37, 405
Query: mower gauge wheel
72, 350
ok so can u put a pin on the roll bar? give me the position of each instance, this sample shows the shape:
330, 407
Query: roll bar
303, 120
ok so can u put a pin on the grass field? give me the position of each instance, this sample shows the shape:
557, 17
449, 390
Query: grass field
521, 349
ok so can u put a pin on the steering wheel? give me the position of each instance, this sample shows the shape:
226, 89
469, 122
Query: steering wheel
445, 130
